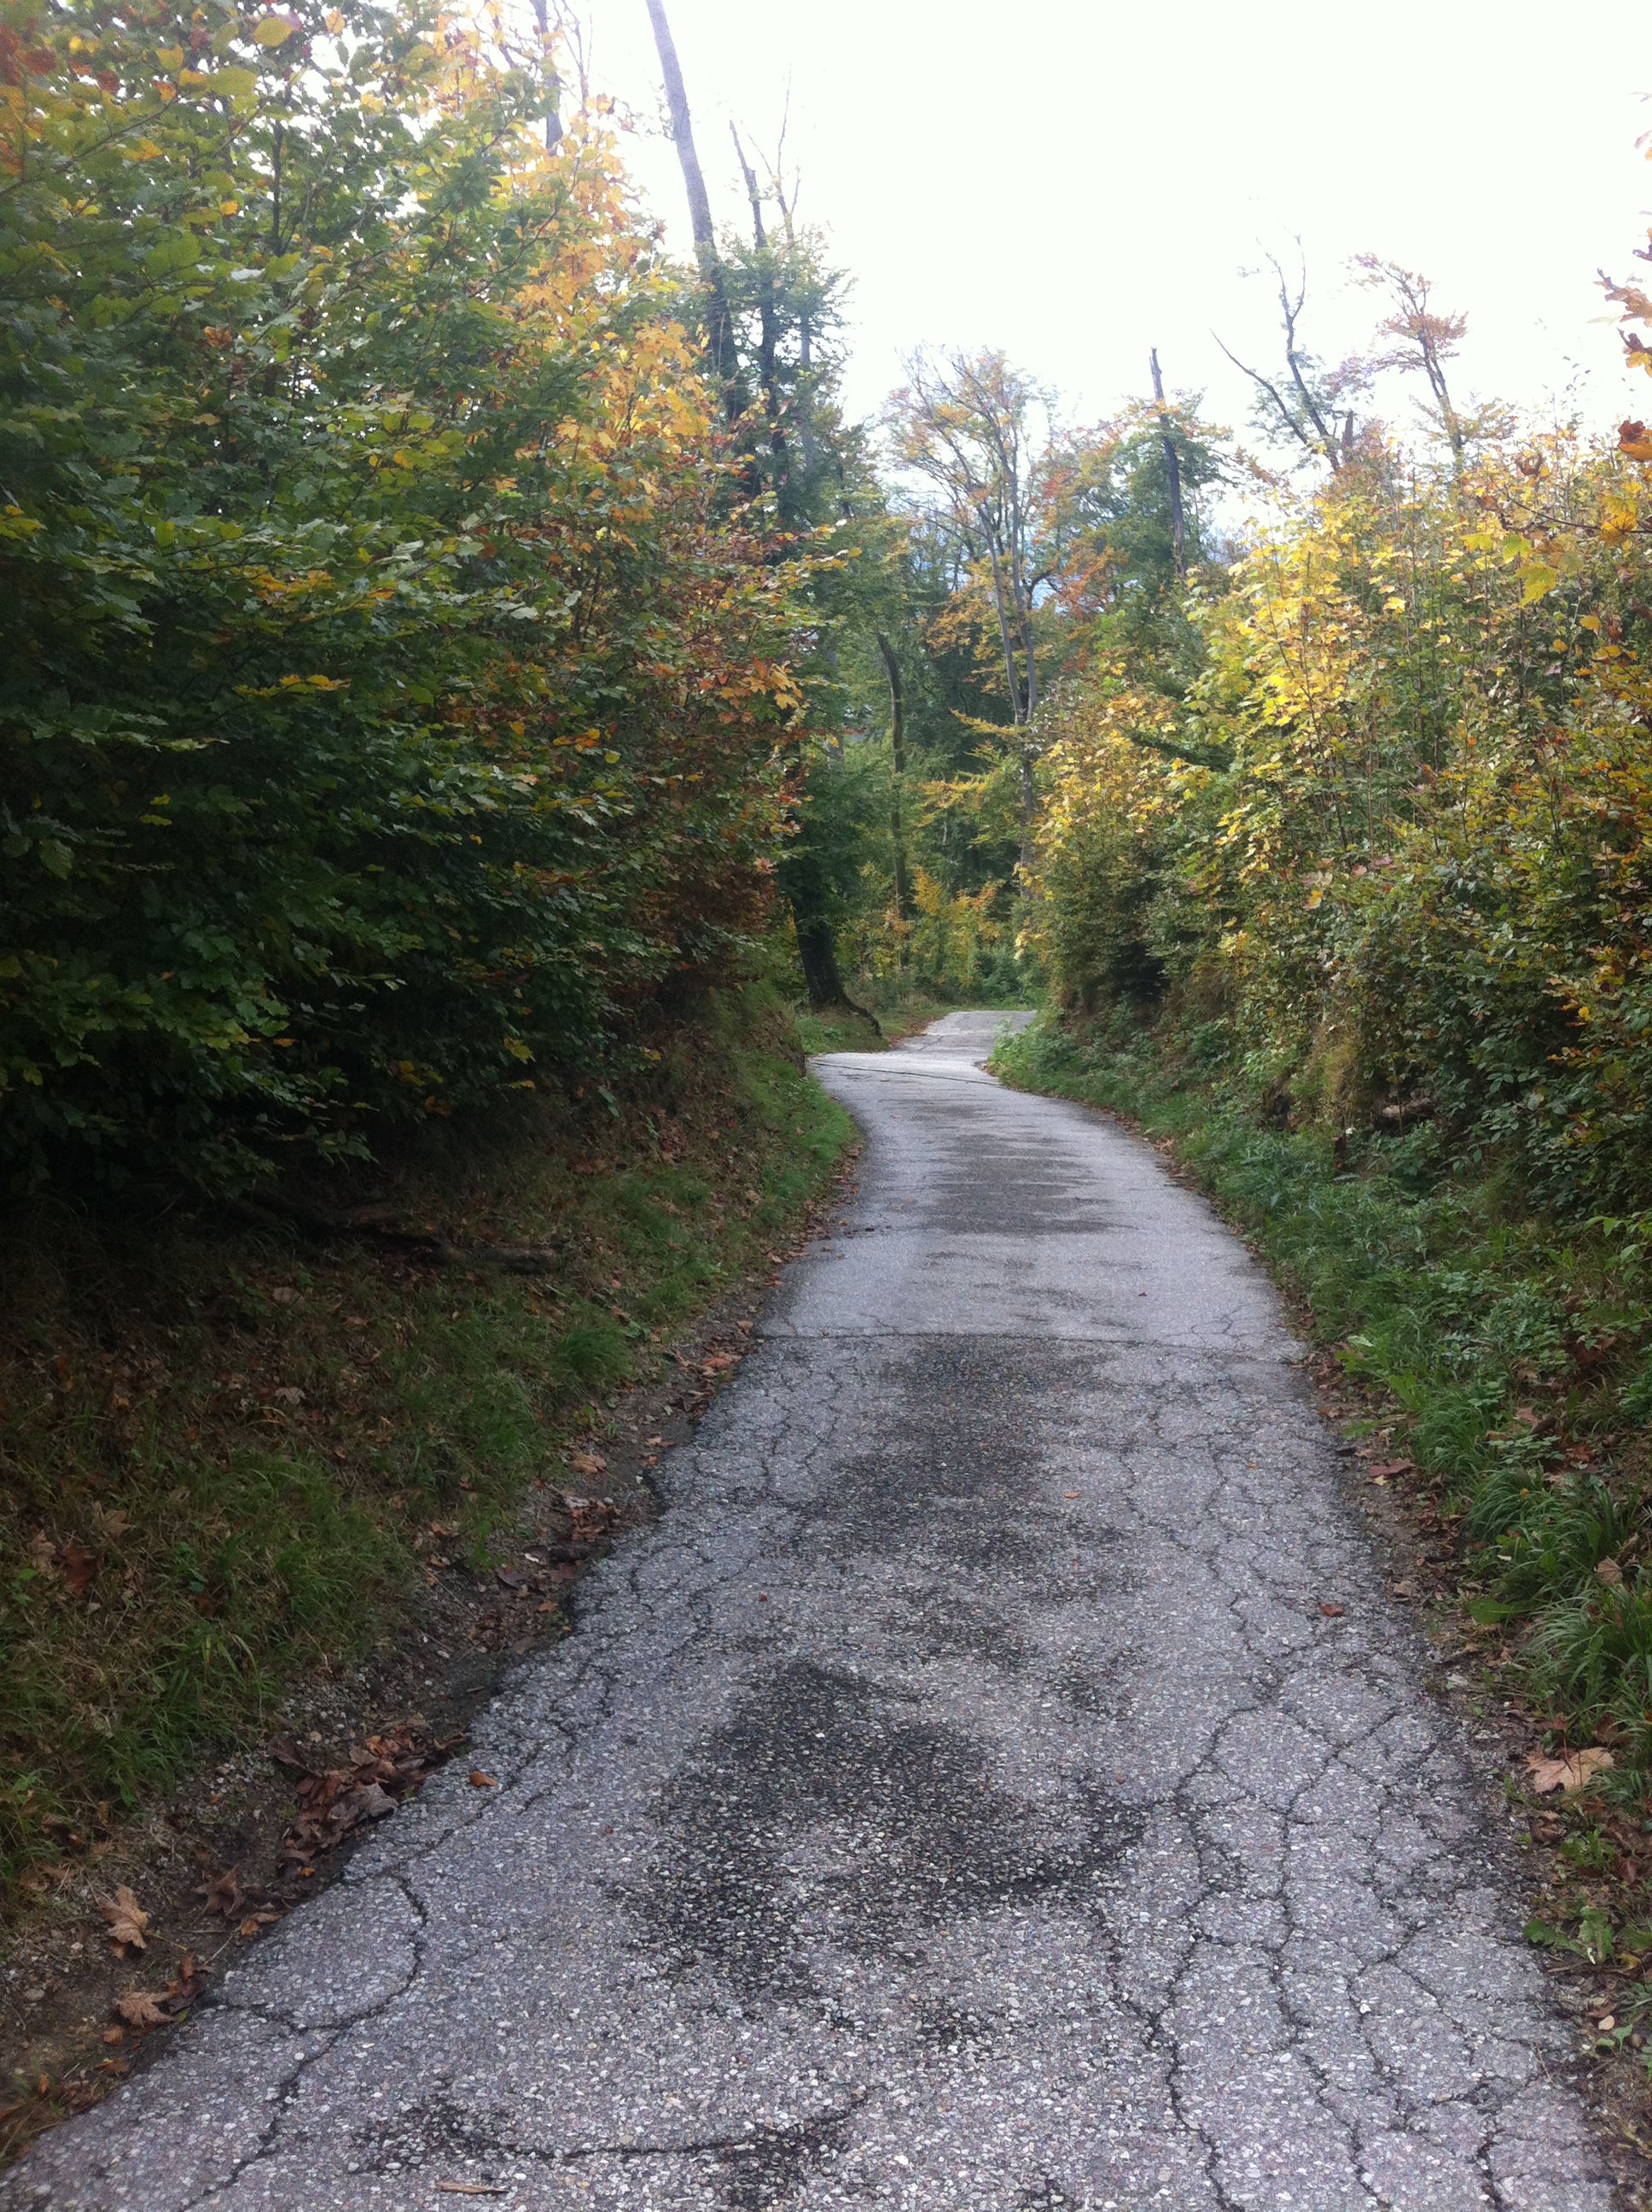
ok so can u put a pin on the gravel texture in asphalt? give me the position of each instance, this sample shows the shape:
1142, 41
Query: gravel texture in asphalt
998, 1780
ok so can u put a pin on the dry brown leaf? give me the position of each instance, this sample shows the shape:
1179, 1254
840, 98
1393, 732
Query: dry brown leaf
588, 1463
1570, 1771
138, 2009
79, 1567
1332, 1612
1609, 1572
126, 1918
223, 1893
481, 1781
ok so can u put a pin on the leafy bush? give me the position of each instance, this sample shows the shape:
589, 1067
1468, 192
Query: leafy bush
389, 697
1395, 832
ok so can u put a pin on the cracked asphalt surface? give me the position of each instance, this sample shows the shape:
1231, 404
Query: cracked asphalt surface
958, 1798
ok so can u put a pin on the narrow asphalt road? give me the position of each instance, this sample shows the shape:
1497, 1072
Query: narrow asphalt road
960, 1798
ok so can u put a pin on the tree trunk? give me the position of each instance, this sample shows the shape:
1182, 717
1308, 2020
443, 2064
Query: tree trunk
818, 954
554, 120
1173, 471
897, 733
725, 357
768, 328
1011, 679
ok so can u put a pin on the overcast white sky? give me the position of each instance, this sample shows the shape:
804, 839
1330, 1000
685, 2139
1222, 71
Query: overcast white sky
1075, 183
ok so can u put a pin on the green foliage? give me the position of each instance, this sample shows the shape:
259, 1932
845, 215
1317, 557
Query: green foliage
1394, 832
389, 700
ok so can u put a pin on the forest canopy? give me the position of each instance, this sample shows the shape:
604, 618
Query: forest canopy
442, 630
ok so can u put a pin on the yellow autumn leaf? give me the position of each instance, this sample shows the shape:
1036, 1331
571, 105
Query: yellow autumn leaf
1620, 518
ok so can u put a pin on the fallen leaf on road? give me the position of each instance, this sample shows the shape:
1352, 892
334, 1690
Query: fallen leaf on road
138, 2009
1392, 1467
588, 1463
1071, 1493
126, 1919
1332, 1612
471, 2189
481, 1781
1570, 1771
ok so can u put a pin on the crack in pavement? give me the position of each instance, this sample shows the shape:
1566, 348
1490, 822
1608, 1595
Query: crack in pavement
957, 1798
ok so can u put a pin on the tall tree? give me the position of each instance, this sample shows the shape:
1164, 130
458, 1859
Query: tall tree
1172, 473
1414, 338
720, 337
976, 433
767, 307
897, 728
1300, 404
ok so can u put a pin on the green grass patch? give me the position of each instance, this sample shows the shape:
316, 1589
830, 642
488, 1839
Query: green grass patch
226, 1452
1510, 1349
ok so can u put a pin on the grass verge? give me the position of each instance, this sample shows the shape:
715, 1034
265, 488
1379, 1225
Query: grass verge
231, 1454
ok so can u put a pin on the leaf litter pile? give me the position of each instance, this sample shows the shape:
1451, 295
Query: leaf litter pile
338, 1801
